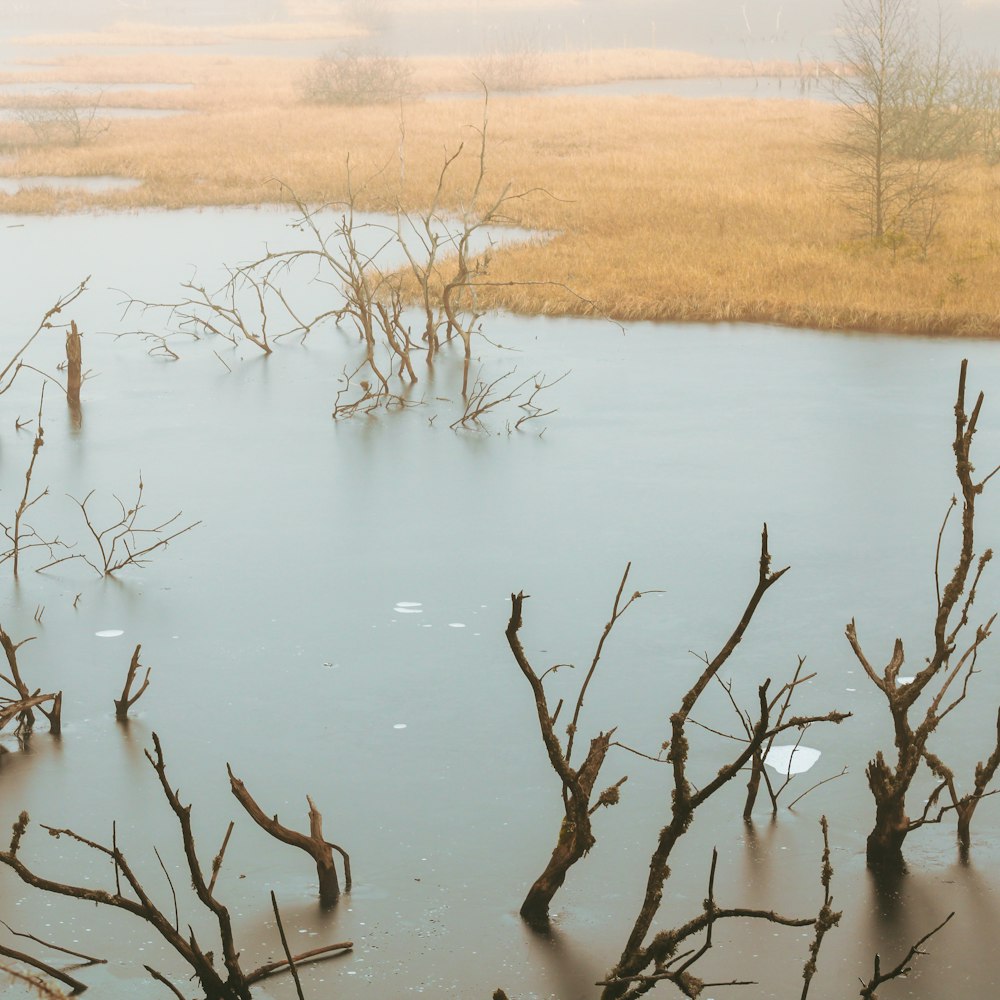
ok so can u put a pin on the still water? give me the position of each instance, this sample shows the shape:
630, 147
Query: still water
335, 627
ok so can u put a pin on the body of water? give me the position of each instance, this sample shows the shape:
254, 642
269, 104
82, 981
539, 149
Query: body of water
335, 626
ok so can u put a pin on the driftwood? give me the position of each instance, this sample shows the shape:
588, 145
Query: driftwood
228, 983
313, 843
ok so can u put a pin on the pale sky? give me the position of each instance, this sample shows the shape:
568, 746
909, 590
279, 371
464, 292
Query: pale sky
756, 28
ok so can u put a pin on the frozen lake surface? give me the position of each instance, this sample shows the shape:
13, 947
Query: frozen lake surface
335, 626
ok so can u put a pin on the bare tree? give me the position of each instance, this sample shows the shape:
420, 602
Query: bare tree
576, 836
20, 535
126, 541
902, 94
64, 121
945, 677
352, 77
630, 976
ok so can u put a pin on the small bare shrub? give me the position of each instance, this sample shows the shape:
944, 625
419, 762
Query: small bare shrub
514, 65
348, 76
63, 123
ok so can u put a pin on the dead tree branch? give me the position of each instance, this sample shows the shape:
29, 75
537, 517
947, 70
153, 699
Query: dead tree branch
878, 978
630, 976
127, 700
319, 849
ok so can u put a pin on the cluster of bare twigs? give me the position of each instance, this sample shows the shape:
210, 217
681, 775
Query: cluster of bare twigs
63, 121
257, 304
231, 982
760, 759
126, 541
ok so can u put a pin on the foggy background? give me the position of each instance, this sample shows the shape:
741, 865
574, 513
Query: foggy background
759, 29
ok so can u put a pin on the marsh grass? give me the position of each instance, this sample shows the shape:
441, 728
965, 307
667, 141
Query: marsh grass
656, 207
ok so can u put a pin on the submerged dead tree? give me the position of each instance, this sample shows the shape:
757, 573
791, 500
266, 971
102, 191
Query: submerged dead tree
945, 677
313, 843
576, 836
127, 700
644, 960
228, 982
74, 372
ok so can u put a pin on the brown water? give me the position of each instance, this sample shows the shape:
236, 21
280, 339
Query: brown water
283, 638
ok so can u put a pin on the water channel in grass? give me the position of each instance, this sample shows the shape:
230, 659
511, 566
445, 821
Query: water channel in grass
335, 627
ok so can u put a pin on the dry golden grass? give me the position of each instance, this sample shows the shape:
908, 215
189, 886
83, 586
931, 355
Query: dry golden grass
661, 208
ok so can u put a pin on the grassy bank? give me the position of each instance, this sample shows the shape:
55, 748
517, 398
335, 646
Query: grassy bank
661, 208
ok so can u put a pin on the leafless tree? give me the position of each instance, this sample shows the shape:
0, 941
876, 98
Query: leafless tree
903, 94
64, 121
945, 677
22, 536
759, 762
352, 77
484, 397
671, 964
630, 976
576, 836
126, 541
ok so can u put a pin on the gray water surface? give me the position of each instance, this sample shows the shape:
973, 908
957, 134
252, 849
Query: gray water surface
334, 626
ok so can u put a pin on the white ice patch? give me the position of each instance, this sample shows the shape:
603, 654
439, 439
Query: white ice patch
400, 610
905, 680
399, 725
110, 633
409, 604
791, 759
455, 625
